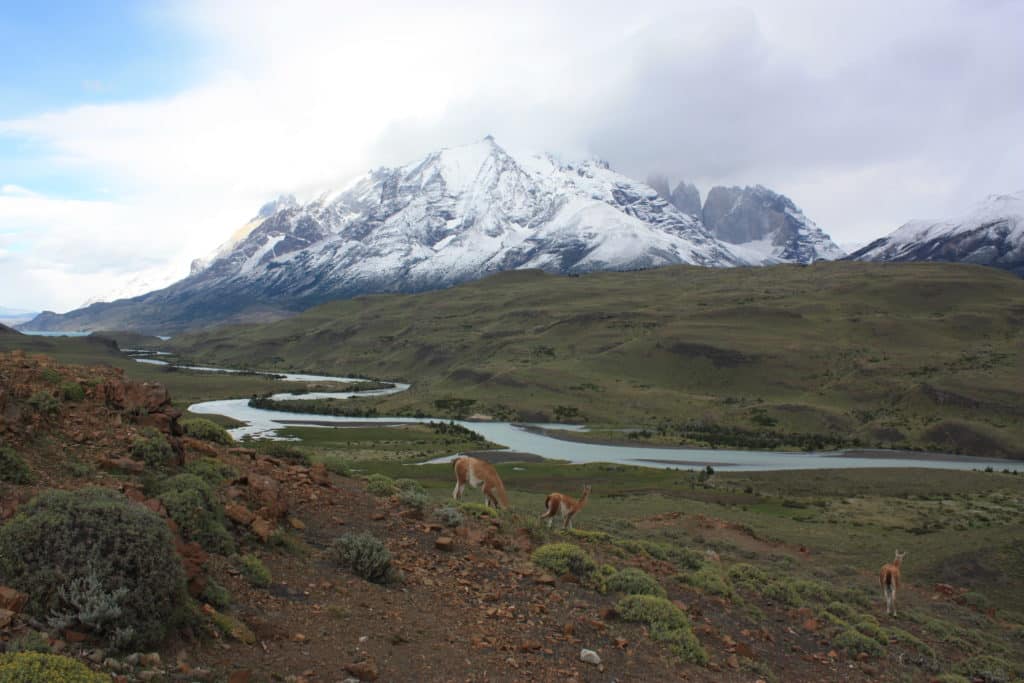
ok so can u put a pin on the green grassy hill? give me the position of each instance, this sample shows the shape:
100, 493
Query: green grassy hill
907, 355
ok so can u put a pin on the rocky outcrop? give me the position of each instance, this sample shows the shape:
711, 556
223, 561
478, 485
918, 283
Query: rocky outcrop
767, 222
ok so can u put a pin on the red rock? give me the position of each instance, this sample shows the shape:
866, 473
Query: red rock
733, 661
811, 625
444, 543
12, 599
318, 473
296, 523
6, 617
239, 513
546, 579
262, 528
75, 636
365, 671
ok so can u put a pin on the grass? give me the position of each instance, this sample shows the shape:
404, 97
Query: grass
914, 355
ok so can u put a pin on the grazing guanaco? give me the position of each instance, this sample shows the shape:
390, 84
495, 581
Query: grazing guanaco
567, 506
889, 578
482, 475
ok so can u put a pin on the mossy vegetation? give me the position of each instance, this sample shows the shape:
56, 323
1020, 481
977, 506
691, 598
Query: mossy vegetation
667, 623
254, 571
633, 581
35, 667
564, 558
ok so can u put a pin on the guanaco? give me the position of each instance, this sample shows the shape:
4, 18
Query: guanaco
482, 475
889, 578
567, 506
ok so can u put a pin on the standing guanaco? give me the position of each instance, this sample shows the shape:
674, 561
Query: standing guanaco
480, 474
889, 578
567, 506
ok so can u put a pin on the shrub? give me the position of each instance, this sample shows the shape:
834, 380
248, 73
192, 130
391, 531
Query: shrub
34, 667
254, 571
13, 469
667, 623
478, 510
72, 391
51, 375
584, 535
448, 516
855, 642
364, 554
564, 558
409, 485
201, 428
211, 470
413, 498
871, 629
989, 669
632, 581
44, 402
33, 641
748, 576
283, 451
337, 465
190, 502
381, 485
152, 448
215, 594
707, 580
74, 552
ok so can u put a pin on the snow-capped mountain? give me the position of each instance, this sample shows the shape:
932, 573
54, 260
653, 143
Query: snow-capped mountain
765, 226
455, 215
991, 234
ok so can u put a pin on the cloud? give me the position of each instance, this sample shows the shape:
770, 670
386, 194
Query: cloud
866, 113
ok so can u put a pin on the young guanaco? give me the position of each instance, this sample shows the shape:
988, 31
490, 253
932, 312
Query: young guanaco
482, 475
889, 578
566, 506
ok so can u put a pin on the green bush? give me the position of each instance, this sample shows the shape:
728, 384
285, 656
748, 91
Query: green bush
33, 641
632, 581
13, 469
871, 629
989, 669
448, 516
201, 428
684, 558
667, 623
254, 571
854, 642
34, 667
337, 465
365, 555
192, 505
381, 485
211, 470
413, 498
44, 402
564, 558
51, 375
72, 391
215, 594
85, 556
405, 484
707, 580
152, 448
478, 509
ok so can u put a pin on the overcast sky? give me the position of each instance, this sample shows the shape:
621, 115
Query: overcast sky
136, 137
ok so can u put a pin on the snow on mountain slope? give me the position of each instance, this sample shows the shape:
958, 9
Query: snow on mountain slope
455, 215
991, 233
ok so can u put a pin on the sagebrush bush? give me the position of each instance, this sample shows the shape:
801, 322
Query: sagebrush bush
44, 402
381, 485
413, 498
478, 510
667, 623
448, 516
215, 594
72, 391
707, 580
192, 504
51, 375
364, 554
211, 470
152, 448
33, 641
854, 642
207, 430
254, 571
75, 552
632, 581
564, 558
405, 484
35, 667
13, 469
989, 669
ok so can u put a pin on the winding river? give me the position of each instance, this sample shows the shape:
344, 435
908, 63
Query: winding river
260, 423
